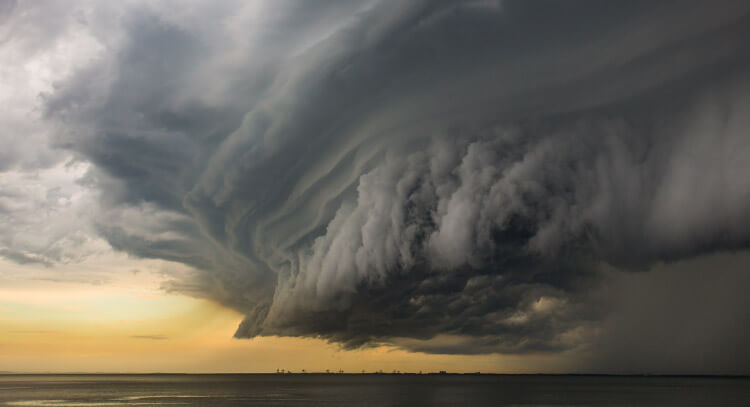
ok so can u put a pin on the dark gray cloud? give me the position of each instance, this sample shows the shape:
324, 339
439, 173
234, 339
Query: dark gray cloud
449, 177
689, 316
23, 258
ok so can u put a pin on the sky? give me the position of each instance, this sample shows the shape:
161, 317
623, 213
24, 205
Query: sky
497, 186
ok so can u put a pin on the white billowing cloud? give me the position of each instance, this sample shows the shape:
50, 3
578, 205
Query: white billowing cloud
593, 188
43, 209
41, 44
42, 216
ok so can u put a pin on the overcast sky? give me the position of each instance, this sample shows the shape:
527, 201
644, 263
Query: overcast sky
510, 177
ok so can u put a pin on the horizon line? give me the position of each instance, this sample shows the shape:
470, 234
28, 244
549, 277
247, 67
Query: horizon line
439, 373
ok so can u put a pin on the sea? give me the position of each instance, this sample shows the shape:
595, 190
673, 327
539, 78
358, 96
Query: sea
369, 390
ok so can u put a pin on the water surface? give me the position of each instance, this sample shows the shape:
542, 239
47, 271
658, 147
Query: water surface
368, 390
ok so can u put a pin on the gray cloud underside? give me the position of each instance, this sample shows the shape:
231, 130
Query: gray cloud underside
401, 172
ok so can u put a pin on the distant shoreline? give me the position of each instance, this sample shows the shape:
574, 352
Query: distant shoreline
613, 375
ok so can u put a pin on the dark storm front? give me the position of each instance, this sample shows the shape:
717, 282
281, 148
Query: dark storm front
369, 390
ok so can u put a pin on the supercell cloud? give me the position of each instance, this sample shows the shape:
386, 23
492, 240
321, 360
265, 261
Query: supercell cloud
446, 176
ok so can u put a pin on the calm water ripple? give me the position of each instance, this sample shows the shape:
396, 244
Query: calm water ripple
368, 390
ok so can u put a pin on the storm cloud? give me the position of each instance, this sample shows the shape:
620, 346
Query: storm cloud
445, 176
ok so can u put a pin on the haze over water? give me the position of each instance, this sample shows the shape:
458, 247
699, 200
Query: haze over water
368, 390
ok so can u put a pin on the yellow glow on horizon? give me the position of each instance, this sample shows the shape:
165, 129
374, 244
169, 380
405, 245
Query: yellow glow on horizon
131, 326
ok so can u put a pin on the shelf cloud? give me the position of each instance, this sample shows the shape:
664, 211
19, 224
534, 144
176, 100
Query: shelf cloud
447, 177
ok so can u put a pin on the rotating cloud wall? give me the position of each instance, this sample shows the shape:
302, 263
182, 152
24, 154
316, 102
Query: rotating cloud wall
449, 177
